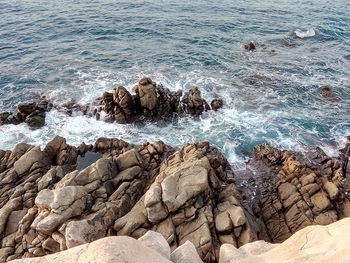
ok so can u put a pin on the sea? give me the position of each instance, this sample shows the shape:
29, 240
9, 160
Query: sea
78, 49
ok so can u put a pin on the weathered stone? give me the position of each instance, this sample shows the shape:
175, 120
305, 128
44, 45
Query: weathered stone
156, 241
33, 159
185, 253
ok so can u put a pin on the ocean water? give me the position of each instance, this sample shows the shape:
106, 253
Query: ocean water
78, 49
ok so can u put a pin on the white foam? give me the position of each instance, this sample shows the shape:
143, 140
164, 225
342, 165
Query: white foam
232, 129
303, 34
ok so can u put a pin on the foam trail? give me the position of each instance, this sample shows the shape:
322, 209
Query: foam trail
303, 34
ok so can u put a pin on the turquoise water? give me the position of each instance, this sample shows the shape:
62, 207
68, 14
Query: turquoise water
78, 49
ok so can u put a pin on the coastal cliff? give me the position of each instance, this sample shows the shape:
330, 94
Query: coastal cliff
62, 197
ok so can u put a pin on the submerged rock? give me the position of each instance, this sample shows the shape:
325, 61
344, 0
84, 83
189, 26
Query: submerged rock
249, 46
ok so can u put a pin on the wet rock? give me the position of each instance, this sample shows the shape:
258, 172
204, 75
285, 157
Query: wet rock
329, 94
33, 113
36, 119
124, 105
216, 104
147, 95
249, 46
193, 102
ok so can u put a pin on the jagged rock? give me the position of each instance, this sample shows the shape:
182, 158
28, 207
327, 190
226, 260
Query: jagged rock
185, 253
60, 152
123, 110
147, 95
180, 202
33, 159
33, 113
151, 101
193, 102
298, 193
186, 194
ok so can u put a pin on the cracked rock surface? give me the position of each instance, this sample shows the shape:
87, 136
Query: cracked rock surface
189, 196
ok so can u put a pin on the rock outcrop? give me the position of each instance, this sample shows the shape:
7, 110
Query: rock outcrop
311, 244
150, 102
188, 196
32, 113
297, 191
184, 194
113, 249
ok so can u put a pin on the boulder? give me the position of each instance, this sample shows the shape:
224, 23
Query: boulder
157, 242
185, 253
311, 244
106, 250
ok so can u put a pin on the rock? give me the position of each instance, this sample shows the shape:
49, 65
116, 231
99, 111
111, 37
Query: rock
216, 104
13, 221
332, 190
191, 180
57, 206
36, 119
83, 231
310, 244
193, 102
147, 94
156, 241
249, 46
129, 250
128, 159
60, 152
123, 110
297, 193
51, 245
185, 253
33, 159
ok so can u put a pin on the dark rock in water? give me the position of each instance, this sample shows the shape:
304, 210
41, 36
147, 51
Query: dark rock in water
35, 119
216, 104
329, 94
147, 95
193, 102
249, 46
124, 105
33, 113
88, 159
4, 117
150, 102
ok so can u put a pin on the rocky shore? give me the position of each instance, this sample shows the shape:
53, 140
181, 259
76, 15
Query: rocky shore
64, 197
150, 102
